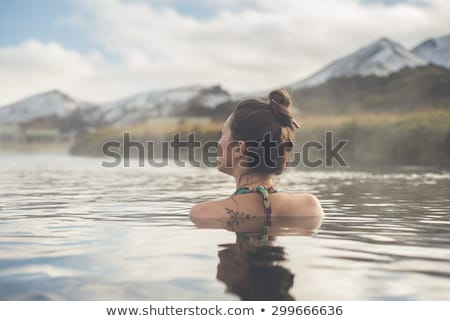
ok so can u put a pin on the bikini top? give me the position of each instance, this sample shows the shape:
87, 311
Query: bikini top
244, 237
265, 196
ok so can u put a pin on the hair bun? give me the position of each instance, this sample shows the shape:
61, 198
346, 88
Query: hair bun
280, 97
280, 102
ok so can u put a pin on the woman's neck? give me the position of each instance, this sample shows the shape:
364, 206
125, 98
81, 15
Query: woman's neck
253, 181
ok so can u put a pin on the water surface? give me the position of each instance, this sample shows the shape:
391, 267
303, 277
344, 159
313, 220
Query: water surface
73, 230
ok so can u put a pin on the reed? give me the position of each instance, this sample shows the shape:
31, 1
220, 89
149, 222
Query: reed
415, 138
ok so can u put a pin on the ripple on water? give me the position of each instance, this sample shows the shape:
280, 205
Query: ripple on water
72, 229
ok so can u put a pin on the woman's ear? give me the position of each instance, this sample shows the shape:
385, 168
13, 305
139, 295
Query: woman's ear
240, 149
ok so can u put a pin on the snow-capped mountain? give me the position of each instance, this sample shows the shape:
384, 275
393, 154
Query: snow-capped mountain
137, 108
148, 104
436, 51
211, 97
160, 103
381, 58
52, 104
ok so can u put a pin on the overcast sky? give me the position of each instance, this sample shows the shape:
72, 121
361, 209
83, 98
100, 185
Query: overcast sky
101, 50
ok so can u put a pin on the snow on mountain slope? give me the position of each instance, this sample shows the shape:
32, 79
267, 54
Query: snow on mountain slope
436, 51
41, 106
381, 58
126, 111
160, 103
148, 104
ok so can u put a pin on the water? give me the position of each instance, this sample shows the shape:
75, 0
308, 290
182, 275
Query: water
72, 230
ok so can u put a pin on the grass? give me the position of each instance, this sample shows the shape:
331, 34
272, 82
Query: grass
58, 147
414, 138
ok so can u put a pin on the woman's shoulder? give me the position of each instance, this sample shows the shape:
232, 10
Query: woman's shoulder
306, 204
303, 204
205, 208
306, 199
300, 213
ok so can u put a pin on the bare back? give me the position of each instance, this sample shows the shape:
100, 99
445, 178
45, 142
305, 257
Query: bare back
282, 204
299, 213
286, 206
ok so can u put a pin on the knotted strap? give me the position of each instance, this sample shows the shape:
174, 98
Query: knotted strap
265, 196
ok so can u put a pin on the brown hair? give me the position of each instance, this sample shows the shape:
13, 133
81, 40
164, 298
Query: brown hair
255, 120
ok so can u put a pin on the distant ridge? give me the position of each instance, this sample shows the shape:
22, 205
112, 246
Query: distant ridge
381, 58
436, 51
45, 105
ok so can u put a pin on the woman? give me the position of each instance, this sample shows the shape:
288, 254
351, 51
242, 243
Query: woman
253, 148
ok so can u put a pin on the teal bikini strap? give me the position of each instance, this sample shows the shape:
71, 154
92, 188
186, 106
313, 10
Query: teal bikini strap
265, 195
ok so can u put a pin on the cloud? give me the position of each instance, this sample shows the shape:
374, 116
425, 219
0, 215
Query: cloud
34, 66
245, 46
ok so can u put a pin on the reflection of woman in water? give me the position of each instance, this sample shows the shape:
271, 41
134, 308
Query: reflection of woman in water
253, 148
254, 272
253, 267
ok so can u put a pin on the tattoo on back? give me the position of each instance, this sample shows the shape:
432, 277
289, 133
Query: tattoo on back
236, 217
